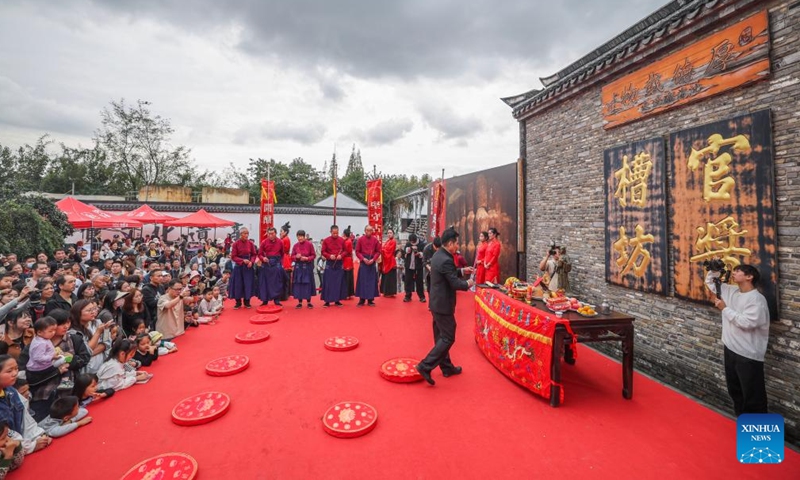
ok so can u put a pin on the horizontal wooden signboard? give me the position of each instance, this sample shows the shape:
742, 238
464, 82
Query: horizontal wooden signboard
730, 58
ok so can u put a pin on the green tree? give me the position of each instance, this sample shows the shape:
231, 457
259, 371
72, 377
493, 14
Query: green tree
49, 212
84, 170
25, 231
137, 144
354, 182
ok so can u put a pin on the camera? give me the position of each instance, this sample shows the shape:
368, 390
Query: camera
714, 265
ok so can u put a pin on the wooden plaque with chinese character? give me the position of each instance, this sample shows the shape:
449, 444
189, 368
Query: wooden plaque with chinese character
636, 216
730, 58
722, 200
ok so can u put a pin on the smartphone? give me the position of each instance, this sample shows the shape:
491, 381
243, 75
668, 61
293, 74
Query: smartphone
3, 330
30, 283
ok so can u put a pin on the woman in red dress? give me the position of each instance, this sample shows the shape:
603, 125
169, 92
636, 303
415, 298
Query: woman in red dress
389, 265
480, 255
492, 257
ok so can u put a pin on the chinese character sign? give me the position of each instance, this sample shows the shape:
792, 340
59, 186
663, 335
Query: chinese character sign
267, 214
723, 202
727, 59
636, 223
375, 205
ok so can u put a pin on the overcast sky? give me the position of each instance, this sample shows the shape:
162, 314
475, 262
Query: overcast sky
415, 84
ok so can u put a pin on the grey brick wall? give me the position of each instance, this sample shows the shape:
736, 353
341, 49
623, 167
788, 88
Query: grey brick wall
677, 342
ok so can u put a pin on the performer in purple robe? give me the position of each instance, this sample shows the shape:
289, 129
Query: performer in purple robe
368, 250
243, 254
271, 274
303, 286
333, 251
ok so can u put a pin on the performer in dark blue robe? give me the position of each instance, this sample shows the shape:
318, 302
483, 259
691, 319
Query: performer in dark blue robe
333, 250
271, 275
243, 254
368, 250
303, 254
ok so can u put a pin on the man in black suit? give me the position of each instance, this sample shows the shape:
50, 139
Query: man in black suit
445, 280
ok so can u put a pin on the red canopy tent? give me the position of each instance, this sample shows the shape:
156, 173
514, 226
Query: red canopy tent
147, 215
82, 216
201, 218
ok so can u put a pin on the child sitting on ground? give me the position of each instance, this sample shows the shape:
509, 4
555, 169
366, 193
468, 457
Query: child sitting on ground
206, 308
146, 352
86, 389
217, 299
44, 360
164, 347
115, 373
34, 437
66, 416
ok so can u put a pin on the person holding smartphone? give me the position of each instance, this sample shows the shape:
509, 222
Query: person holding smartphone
170, 310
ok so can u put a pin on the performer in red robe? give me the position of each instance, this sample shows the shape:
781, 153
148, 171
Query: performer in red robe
271, 274
287, 260
333, 251
388, 265
480, 255
303, 286
243, 254
347, 265
368, 250
492, 258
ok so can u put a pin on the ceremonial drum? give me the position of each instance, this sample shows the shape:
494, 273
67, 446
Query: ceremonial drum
269, 309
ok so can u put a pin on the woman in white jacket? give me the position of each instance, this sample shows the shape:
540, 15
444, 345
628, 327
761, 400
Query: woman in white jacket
116, 373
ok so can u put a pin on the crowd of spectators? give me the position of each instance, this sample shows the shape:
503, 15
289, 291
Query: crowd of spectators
81, 323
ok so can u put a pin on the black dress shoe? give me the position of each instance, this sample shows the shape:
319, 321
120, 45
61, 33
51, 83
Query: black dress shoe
371, 303
426, 375
453, 371
422, 300
237, 306
406, 299
299, 305
278, 304
247, 305
339, 304
264, 304
310, 306
326, 305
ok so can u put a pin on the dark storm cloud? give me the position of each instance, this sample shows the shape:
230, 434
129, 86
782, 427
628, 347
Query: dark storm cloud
409, 38
384, 133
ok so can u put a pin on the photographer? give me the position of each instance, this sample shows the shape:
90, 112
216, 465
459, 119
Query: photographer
745, 332
415, 270
556, 267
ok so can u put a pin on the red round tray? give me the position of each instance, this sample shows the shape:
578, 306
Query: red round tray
174, 465
350, 419
253, 336
201, 408
230, 365
341, 343
264, 319
400, 370
269, 309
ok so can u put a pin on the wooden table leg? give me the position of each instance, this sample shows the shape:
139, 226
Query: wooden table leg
627, 363
555, 367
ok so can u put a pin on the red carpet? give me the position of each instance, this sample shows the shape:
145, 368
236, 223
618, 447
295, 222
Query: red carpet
477, 425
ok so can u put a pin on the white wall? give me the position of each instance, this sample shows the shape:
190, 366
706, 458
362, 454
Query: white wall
318, 226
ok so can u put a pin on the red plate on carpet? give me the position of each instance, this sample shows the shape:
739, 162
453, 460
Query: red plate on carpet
350, 419
230, 365
401, 370
165, 466
269, 309
253, 336
201, 408
341, 344
264, 319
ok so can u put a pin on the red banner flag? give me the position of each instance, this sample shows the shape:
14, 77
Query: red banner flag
438, 202
268, 200
375, 205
